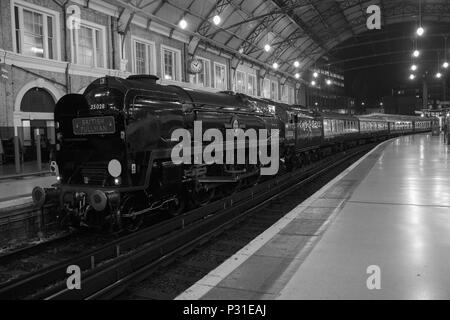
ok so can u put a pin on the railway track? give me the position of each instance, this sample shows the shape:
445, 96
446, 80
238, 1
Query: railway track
109, 269
26, 228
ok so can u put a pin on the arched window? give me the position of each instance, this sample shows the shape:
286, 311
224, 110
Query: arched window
37, 100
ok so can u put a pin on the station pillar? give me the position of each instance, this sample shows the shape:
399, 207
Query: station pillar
39, 152
17, 158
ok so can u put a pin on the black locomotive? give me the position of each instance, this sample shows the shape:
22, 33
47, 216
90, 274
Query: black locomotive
115, 144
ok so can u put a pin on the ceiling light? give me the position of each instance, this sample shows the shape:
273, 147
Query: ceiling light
183, 24
413, 67
420, 31
329, 82
445, 65
267, 47
241, 50
416, 53
438, 75
297, 76
217, 20
313, 83
315, 74
296, 64
412, 77
275, 65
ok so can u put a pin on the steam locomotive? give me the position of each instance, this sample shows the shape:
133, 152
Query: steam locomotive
115, 144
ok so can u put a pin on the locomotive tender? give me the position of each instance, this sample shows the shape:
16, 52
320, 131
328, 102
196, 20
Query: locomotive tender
114, 146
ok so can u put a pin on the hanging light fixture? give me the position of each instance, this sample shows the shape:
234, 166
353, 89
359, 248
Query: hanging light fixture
267, 47
416, 52
217, 19
445, 64
183, 24
420, 30
438, 73
296, 64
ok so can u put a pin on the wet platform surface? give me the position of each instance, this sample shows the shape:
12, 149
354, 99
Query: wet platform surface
390, 211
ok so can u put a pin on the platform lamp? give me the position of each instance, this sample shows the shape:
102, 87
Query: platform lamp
420, 30
220, 8
445, 64
416, 51
438, 73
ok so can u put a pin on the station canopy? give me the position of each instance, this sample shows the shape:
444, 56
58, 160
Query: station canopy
296, 30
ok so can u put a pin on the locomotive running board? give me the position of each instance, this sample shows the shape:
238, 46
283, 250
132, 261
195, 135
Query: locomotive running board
227, 179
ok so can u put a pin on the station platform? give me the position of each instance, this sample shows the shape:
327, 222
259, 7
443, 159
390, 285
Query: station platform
380, 230
28, 169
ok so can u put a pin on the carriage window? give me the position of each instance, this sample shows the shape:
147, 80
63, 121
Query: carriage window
327, 126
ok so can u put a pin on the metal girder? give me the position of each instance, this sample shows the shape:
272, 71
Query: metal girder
218, 9
206, 24
363, 43
254, 35
344, 16
211, 42
124, 21
376, 65
381, 54
297, 20
249, 44
235, 25
285, 45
